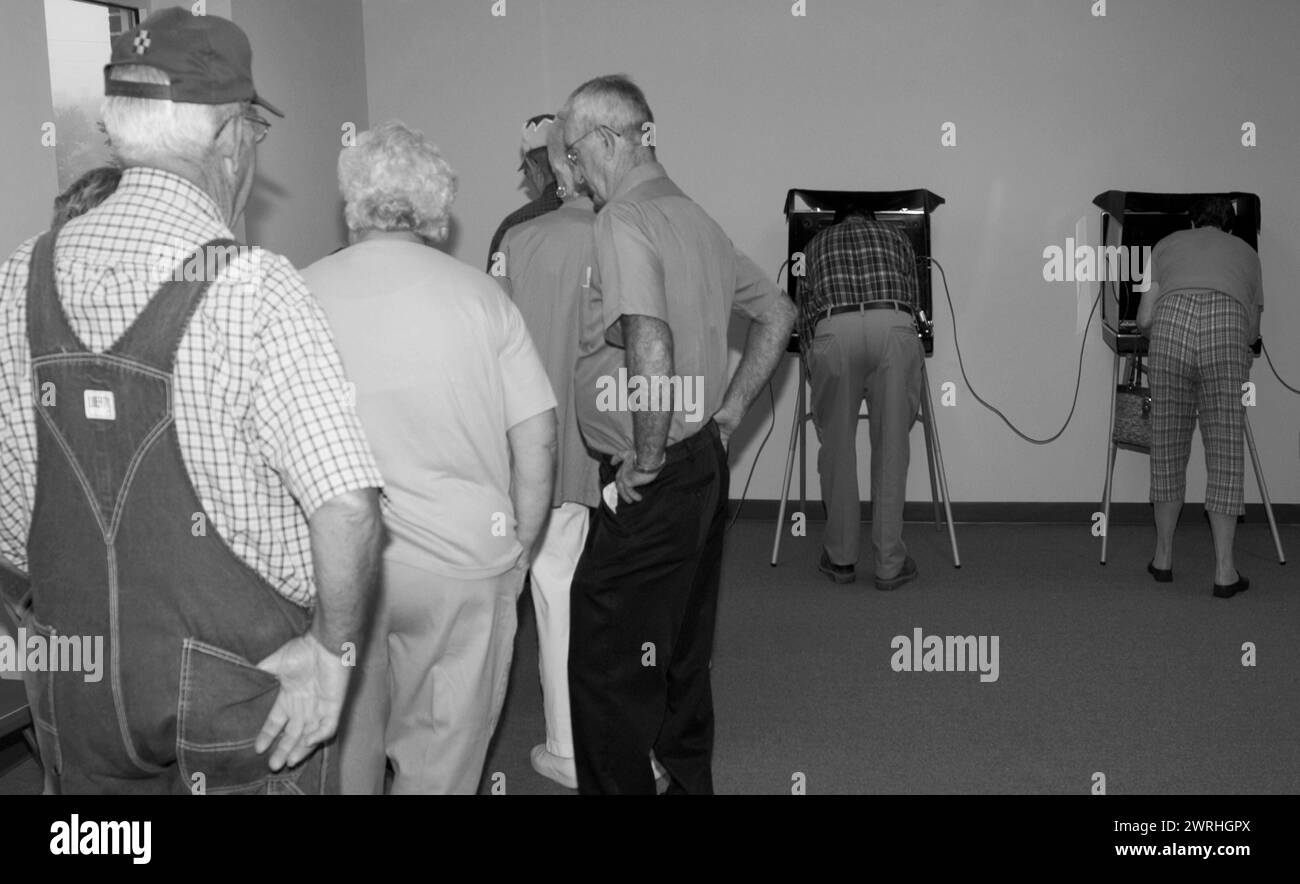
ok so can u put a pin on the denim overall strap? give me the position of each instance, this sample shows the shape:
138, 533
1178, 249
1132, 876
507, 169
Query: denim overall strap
124, 558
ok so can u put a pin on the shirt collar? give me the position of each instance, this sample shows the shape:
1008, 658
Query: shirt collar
638, 176
179, 194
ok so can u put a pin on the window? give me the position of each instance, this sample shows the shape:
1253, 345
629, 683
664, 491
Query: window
80, 35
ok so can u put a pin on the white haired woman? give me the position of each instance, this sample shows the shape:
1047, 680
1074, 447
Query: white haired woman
459, 413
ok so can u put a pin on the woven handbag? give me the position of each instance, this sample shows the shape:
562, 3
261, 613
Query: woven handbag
1133, 410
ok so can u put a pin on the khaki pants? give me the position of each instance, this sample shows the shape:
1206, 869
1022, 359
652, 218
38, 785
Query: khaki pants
553, 565
875, 354
430, 682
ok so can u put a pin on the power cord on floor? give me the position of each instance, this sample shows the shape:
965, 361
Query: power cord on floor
962, 366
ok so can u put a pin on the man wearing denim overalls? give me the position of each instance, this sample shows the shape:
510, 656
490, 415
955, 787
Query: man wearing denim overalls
181, 471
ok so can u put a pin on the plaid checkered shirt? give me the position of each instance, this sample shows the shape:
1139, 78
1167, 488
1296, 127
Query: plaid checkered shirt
264, 413
851, 262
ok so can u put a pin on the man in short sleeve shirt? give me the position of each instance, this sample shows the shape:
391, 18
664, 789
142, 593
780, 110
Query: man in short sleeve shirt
654, 401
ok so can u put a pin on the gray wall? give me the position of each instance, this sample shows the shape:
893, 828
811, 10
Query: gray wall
30, 175
309, 61
1051, 105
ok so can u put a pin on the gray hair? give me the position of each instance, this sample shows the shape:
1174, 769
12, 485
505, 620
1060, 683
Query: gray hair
396, 179
613, 101
144, 129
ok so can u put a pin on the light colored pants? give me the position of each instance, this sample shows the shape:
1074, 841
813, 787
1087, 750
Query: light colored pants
430, 682
552, 572
875, 354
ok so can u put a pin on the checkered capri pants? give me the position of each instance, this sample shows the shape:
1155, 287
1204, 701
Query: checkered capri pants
1199, 360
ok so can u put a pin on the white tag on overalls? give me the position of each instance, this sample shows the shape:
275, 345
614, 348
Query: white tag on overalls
100, 405
586, 281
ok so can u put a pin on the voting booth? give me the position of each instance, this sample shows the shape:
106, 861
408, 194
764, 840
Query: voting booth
807, 213
1132, 223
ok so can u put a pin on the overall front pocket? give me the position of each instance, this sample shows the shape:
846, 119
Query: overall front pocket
224, 701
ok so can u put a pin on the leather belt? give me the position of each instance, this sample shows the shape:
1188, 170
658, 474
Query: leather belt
867, 305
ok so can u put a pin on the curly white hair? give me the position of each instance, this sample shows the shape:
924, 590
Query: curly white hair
396, 179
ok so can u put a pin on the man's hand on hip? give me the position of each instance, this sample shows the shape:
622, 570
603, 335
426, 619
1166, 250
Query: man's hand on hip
630, 478
313, 683
727, 421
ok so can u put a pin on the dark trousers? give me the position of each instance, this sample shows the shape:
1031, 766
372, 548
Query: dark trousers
643, 605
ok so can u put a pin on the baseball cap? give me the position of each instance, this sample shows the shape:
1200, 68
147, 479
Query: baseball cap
206, 57
535, 134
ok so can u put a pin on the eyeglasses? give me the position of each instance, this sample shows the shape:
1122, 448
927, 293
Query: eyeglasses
261, 127
570, 150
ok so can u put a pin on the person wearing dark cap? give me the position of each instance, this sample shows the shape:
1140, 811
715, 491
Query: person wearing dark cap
182, 473
858, 337
1202, 313
539, 183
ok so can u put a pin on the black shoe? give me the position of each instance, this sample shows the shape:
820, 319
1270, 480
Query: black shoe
908, 572
1227, 592
838, 573
1162, 575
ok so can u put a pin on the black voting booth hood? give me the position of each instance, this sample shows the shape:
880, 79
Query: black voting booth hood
1144, 219
808, 212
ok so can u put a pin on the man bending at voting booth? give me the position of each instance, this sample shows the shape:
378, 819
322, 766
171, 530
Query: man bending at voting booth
1202, 314
858, 336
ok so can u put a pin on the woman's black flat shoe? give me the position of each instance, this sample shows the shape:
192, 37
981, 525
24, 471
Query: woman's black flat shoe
1162, 575
1227, 592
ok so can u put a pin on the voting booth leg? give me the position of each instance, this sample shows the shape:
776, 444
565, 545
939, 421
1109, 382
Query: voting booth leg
926, 416
1263, 490
804, 413
935, 456
789, 467
1110, 462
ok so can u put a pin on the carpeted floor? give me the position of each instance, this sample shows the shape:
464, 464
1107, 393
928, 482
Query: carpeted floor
1101, 670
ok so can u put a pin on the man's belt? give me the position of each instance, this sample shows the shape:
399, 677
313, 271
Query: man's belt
867, 305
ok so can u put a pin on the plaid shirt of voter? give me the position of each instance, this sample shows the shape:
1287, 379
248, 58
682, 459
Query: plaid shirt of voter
851, 262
